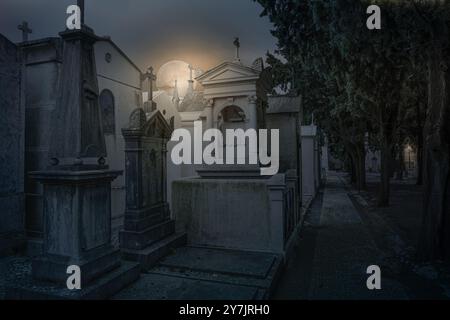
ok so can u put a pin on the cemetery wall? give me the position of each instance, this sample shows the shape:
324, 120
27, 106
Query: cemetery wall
42, 64
11, 140
122, 78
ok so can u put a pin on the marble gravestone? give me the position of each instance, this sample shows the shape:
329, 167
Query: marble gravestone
77, 189
11, 147
148, 233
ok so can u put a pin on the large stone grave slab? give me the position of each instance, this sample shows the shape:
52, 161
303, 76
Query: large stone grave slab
196, 273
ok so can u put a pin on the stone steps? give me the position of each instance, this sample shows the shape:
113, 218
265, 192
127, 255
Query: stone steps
144, 223
138, 240
11, 243
149, 256
22, 286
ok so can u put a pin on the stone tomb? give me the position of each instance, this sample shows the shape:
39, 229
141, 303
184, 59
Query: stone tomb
240, 214
148, 232
232, 206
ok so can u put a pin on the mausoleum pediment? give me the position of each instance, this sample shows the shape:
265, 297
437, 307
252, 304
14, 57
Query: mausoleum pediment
228, 72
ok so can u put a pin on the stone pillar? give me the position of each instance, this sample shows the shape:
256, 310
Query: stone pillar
164, 171
209, 114
252, 118
277, 187
252, 115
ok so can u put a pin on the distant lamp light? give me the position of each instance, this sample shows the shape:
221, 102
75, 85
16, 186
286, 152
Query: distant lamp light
409, 149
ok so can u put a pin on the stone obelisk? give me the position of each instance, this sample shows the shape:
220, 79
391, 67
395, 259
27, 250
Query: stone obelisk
77, 184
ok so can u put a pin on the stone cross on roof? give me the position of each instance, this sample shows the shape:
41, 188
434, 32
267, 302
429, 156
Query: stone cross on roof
25, 30
176, 96
191, 68
151, 77
237, 44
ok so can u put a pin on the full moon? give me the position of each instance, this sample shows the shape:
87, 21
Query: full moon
175, 70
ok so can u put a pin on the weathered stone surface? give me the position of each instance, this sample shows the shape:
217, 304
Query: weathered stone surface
233, 213
163, 287
77, 186
42, 65
310, 162
19, 283
77, 131
11, 144
242, 263
147, 211
194, 273
77, 223
150, 255
285, 114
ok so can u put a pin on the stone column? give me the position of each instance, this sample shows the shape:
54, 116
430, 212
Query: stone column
277, 187
252, 121
209, 114
252, 115
164, 171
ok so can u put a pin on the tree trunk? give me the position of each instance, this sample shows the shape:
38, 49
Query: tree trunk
352, 170
362, 168
401, 163
386, 156
420, 158
435, 236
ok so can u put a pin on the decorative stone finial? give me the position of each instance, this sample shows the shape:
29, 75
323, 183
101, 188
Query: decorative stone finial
137, 119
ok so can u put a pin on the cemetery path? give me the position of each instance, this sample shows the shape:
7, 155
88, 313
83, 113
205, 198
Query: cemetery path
334, 252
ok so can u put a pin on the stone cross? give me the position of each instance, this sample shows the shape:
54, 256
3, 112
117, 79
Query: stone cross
151, 77
237, 44
176, 96
80, 4
191, 68
25, 30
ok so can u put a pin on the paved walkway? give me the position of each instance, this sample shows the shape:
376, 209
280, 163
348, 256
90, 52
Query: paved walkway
333, 255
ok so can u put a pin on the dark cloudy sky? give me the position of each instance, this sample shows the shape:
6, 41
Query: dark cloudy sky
152, 32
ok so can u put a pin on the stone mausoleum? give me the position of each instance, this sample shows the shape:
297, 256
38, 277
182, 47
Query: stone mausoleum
233, 206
